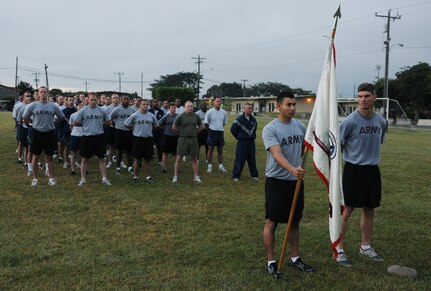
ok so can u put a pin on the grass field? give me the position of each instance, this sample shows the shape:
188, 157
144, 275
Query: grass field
206, 236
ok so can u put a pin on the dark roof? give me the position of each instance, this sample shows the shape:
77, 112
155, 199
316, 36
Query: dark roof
7, 92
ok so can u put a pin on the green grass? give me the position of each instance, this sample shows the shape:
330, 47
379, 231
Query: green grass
207, 236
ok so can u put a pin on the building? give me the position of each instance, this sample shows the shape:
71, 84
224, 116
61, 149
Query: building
267, 104
8, 95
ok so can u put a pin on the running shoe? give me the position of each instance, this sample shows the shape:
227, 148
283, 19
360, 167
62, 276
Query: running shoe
342, 260
34, 183
106, 182
371, 253
52, 182
300, 265
272, 269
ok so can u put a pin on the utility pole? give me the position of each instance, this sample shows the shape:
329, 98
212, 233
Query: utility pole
200, 60
86, 86
387, 42
46, 76
16, 79
36, 79
142, 85
243, 88
119, 79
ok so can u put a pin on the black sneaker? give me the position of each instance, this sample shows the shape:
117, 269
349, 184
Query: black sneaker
149, 180
300, 265
135, 180
272, 269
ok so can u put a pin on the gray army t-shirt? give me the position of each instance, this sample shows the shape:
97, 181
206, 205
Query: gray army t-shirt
290, 137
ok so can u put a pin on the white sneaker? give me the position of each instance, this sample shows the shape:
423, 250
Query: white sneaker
29, 173
106, 182
114, 159
255, 178
47, 173
108, 165
52, 182
65, 165
210, 168
77, 165
197, 179
235, 179
222, 169
184, 158
174, 179
371, 253
123, 165
34, 183
130, 170
82, 182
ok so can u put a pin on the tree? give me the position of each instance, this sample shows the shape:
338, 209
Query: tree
225, 89
172, 93
24, 87
181, 79
55, 91
300, 91
266, 89
414, 90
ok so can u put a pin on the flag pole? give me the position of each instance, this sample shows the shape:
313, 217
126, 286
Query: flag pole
292, 211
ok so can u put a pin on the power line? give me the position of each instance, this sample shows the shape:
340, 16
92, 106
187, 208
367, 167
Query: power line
243, 88
119, 79
200, 60
387, 43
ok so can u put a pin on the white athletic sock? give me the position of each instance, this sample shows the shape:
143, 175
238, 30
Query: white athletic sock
293, 259
29, 166
46, 165
339, 250
220, 166
365, 247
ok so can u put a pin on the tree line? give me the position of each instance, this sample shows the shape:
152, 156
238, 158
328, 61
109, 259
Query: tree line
411, 88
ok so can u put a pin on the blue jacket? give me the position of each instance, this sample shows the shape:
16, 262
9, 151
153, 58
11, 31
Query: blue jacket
157, 132
243, 128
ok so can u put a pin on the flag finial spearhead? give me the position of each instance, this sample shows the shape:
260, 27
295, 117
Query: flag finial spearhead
338, 12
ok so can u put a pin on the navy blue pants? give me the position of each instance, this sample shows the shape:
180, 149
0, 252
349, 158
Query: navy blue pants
245, 151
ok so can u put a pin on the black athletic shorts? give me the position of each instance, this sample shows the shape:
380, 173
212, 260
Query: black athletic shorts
169, 144
17, 129
362, 186
109, 134
124, 140
74, 143
43, 142
215, 138
92, 145
278, 200
143, 148
202, 137
29, 134
23, 132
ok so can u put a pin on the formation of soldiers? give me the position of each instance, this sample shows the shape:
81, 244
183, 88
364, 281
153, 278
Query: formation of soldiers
124, 133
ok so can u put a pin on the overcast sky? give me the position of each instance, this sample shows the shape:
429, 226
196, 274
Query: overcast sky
260, 41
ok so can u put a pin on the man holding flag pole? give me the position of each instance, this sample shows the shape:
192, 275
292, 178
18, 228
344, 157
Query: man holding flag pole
284, 142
